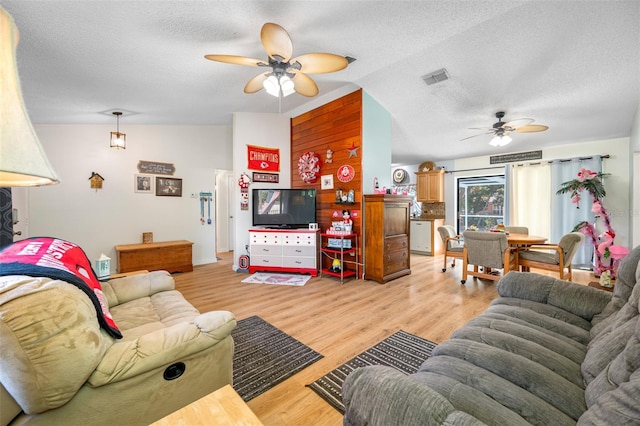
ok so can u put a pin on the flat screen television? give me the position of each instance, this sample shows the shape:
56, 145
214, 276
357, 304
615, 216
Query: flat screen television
284, 208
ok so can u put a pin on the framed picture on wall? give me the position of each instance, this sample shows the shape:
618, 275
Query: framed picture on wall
143, 184
326, 182
168, 187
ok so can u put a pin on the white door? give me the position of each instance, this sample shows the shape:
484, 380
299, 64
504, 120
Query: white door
224, 235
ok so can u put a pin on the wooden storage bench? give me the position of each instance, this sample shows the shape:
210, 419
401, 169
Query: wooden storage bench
171, 256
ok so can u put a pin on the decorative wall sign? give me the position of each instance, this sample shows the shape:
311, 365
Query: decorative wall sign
266, 177
263, 159
154, 168
518, 156
346, 173
309, 167
168, 187
143, 184
338, 214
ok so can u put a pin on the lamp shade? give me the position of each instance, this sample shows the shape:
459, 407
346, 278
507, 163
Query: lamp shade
23, 161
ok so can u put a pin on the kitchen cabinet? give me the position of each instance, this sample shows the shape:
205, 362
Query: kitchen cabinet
430, 186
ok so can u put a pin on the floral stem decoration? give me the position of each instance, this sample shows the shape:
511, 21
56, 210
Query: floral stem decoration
603, 244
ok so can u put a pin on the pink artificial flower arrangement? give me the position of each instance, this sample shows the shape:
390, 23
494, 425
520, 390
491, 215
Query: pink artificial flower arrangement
603, 244
586, 174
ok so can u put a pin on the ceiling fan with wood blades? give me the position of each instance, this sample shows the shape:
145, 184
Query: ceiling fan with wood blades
501, 129
287, 74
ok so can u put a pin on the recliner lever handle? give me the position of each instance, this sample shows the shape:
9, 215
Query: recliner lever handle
174, 371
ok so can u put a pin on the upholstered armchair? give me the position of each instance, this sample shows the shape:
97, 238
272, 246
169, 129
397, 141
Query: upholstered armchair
452, 244
552, 257
58, 366
489, 250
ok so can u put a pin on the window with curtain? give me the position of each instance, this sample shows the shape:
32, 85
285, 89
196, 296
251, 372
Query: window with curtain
481, 201
530, 198
533, 202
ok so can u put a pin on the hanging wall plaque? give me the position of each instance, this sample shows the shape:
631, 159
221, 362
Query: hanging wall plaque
153, 168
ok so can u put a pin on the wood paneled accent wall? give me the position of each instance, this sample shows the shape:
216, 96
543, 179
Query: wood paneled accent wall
336, 126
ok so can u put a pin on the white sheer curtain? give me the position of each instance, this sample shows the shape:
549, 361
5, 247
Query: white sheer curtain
530, 198
564, 213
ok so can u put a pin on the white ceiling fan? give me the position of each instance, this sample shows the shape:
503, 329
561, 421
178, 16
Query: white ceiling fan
501, 129
287, 74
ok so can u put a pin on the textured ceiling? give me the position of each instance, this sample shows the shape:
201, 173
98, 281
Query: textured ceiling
571, 65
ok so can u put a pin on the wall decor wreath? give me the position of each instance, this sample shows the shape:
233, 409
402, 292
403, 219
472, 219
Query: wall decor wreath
309, 167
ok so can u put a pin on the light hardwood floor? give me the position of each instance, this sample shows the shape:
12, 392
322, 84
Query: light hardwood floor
340, 321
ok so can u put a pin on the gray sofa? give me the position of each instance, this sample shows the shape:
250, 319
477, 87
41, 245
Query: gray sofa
547, 352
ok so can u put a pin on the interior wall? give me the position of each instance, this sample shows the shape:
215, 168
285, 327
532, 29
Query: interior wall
267, 130
337, 125
97, 220
376, 144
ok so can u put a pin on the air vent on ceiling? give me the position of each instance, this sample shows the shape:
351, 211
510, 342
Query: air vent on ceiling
436, 77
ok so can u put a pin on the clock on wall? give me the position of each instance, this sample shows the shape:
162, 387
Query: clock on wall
399, 175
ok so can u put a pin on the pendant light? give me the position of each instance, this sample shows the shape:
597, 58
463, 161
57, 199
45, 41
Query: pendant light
23, 161
118, 140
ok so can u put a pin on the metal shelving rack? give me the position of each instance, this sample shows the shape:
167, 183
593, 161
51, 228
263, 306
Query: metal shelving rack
339, 253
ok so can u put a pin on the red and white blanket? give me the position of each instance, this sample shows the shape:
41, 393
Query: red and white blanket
61, 260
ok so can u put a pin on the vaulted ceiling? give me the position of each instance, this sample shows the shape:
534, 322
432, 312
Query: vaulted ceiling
571, 65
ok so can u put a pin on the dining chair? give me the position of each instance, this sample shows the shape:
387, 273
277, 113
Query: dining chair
452, 244
517, 230
551, 257
491, 251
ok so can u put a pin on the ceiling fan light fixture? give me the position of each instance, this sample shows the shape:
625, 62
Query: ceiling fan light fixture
287, 85
271, 86
499, 140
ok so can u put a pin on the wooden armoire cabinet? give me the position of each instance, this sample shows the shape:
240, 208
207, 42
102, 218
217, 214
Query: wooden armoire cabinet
386, 237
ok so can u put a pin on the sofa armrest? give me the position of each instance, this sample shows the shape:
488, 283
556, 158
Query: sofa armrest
578, 299
125, 289
378, 395
126, 359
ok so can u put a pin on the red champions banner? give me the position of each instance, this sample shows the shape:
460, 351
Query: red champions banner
263, 159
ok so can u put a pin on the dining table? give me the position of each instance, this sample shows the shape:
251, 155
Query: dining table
524, 239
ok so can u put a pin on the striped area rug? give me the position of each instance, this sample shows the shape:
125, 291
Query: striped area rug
265, 356
403, 351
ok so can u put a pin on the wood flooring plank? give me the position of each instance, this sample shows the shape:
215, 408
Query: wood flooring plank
340, 321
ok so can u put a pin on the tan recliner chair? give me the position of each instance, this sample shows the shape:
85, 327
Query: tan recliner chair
57, 366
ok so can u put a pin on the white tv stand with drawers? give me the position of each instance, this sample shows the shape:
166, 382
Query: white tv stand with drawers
283, 250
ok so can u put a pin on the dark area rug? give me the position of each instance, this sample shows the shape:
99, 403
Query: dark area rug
265, 356
403, 351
